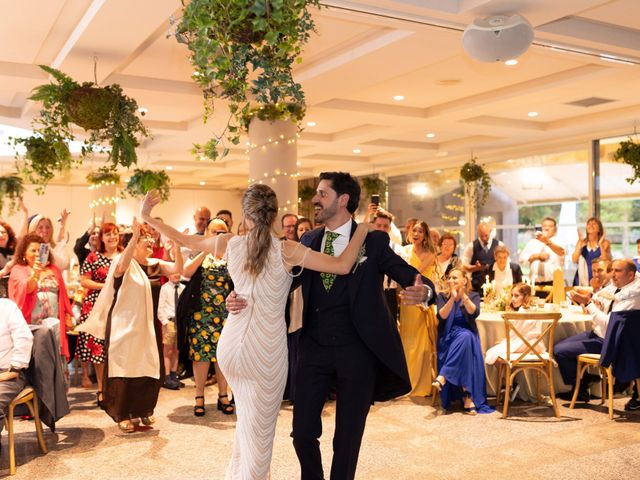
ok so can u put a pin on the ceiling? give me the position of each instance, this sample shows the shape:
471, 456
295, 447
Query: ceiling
363, 55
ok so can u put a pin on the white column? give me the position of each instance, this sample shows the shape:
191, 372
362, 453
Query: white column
273, 155
103, 202
470, 214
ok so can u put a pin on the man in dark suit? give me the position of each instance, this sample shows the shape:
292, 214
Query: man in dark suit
348, 338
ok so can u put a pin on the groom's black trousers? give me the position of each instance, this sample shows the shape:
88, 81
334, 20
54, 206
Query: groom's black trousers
352, 369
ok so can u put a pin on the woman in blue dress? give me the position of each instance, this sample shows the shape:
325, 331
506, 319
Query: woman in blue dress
589, 247
460, 359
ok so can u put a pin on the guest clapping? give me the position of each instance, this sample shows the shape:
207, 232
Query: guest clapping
460, 359
592, 245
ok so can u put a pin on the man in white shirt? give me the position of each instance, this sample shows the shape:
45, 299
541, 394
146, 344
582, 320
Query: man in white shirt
622, 294
544, 254
167, 303
15, 353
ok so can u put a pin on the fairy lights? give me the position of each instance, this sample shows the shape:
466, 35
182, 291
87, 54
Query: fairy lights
104, 201
271, 142
103, 183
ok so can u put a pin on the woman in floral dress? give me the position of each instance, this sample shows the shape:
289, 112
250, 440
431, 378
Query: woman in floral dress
93, 273
205, 324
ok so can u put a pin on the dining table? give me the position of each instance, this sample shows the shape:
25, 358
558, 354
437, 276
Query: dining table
491, 329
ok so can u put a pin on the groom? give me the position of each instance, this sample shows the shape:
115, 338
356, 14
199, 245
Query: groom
348, 338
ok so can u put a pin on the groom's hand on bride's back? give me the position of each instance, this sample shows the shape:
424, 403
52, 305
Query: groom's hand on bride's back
235, 303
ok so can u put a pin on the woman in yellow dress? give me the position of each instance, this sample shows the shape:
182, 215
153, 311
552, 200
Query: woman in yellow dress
417, 324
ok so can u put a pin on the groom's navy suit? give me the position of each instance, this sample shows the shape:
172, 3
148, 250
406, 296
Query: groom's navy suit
349, 340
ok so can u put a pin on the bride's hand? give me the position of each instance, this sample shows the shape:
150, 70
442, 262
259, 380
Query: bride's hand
151, 199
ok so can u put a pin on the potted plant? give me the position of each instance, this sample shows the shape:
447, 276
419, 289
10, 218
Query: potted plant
629, 152
103, 176
11, 191
44, 158
106, 113
476, 182
144, 180
243, 51
374, 185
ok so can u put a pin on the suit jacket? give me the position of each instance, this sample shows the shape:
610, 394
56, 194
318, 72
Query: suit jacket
368, 308
516, 272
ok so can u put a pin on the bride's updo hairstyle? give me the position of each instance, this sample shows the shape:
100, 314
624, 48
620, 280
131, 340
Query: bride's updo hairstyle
260, 205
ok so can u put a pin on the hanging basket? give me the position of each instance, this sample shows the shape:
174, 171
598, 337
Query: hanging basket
629, 152
476, 182
90, 107
11, 191
142, 181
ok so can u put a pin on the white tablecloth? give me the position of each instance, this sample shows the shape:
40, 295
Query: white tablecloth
491, 331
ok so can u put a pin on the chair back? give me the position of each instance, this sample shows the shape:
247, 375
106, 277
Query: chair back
520, 324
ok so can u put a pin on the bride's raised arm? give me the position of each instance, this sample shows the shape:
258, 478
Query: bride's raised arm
195, 242
296, 254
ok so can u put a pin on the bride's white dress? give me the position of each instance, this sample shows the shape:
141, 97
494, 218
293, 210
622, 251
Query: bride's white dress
252, 354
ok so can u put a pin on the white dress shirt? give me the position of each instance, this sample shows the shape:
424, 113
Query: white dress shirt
502, 277
535, 246
166, 302
341, 242
467, 253
16, 339
628, 298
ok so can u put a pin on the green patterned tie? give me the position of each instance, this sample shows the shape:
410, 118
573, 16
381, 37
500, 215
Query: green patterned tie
329, 278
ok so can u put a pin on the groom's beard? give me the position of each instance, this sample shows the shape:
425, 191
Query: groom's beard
322, 214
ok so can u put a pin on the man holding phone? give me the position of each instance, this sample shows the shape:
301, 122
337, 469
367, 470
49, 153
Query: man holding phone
544, 253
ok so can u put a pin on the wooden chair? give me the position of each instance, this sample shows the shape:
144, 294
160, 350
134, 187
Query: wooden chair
586, 360
511, 363
28, 397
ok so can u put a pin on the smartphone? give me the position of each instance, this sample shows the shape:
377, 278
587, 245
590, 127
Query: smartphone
43, 256
375, 199
538, 229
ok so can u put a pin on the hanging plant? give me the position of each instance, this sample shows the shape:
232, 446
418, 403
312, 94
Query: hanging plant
44, 158
629, 152
144, 180
374, 185
11, 191
306, 193
243, 52
476, 182
103, 176
106, 113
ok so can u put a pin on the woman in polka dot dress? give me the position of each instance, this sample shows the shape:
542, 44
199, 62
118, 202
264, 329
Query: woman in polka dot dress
205, 325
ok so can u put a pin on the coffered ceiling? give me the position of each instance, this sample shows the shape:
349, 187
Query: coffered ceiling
363, 55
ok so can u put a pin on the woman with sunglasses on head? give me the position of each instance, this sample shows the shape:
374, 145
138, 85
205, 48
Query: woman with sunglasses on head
123, 315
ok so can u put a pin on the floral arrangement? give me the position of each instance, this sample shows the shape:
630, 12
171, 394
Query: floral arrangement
494, 300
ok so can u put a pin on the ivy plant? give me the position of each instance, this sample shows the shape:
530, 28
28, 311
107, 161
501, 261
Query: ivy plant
629, 152
143, 181
243, 52
476, 182
11, 191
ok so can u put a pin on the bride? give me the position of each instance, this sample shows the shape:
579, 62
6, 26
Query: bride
252, 350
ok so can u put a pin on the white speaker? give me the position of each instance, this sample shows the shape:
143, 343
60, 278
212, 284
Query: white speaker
498, 38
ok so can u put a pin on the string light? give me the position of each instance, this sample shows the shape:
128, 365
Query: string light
271, 141
101, 184
104, 201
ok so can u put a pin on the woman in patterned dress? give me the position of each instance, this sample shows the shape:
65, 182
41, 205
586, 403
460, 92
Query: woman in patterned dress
93, 273
205, 324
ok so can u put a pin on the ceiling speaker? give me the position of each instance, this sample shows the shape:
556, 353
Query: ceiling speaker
498, 38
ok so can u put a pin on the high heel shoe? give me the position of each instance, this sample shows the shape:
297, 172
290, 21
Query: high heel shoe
468, 410
437, 385
99, 398
199, 410
126, 426
148, 421
226, 408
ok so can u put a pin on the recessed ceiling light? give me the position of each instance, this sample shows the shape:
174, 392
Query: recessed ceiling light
168, 167
202, 157
442, 153
311, 124
431, 135
356, 150
532, 114
298, 163
202, 184
511, 62
438, 171
143, 111
511, 160
398, 98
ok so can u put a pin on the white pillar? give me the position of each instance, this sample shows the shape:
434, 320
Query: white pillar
103, 202
470, 214
272, 160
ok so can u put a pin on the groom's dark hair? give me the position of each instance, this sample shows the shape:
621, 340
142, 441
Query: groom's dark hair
343, 182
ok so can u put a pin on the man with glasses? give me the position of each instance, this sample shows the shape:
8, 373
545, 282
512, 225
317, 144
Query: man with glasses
288, 223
